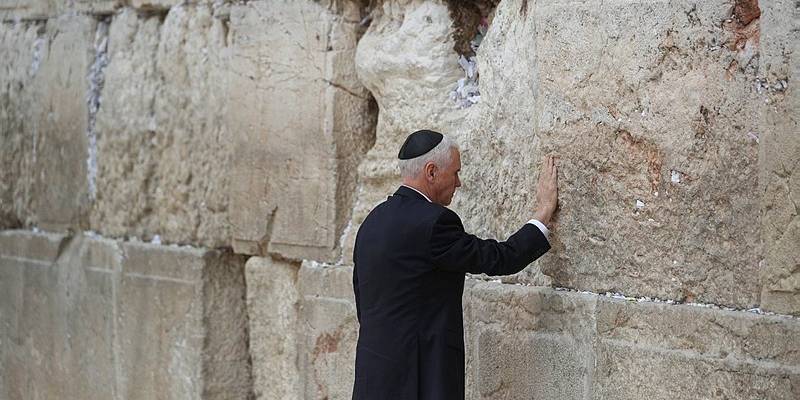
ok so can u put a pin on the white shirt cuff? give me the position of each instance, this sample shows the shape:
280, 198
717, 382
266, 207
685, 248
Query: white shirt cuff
545, 231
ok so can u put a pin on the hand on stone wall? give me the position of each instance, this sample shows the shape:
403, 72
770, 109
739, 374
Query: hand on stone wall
547, 190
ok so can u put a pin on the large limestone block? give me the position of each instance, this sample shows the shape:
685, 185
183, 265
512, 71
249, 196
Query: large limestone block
273, 303
779, 158
22, 46
406, 60
301, 123
524, 366
625, 373
654, 124
44, 120
61, 195
19, 251
327, 331
61, 342
700, 332
562, 345
162, 149
522, 340
187, 308
92, 318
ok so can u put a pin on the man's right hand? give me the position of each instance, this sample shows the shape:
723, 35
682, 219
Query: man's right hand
547, 191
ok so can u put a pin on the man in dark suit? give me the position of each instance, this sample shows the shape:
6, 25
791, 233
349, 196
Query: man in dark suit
411, 256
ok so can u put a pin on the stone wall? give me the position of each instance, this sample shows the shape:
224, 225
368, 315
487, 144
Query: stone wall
91, 318
182, 182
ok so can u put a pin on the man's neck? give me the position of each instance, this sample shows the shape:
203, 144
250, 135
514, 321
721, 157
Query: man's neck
412, 187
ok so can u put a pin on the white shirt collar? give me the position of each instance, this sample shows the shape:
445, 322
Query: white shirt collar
423, 194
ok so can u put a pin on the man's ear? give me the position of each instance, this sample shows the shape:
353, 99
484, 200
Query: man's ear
430, 171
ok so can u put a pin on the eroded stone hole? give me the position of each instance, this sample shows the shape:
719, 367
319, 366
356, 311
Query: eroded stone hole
471, 20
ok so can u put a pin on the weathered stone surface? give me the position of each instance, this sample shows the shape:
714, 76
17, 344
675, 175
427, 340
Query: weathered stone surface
523, 341
44, 128
407, 62
273, 303
327, 331
162, 150
227, 359
651, 123
60, 195
92, 318
655, 123
301, 124
779, 158
526, 340
20, 252
96, 7
22, 46
14, 10
701, 332
529, 366
624, 372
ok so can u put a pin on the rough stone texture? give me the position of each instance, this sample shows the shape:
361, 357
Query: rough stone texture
273, 303
14, 10
654, 114
327, 331
657, 112
522, 340
91, 318
303, 329
96, 7
301, 124
526, 340
22, 46
44, 130
779, 158
60, 187
162, 149
531, 342
406, 60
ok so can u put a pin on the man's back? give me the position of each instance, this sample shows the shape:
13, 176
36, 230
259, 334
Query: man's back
410, 258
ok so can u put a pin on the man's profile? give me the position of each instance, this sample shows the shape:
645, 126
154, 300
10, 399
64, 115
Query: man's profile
410, 259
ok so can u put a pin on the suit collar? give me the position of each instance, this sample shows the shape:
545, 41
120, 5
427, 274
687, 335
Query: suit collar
407, 191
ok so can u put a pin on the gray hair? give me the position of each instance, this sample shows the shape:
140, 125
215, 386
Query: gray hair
441, 156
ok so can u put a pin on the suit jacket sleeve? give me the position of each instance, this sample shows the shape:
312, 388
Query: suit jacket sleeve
454, 250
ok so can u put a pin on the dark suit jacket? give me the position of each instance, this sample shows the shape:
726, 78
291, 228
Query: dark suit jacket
410, 259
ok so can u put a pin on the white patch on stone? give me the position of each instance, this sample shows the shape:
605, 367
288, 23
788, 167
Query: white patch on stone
37, 56
639, 204
675, 176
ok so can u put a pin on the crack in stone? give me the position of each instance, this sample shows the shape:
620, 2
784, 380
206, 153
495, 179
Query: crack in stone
96, 79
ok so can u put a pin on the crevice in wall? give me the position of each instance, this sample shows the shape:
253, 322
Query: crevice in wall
96, 80
348, 178
467, 16
471, 21
248, 340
